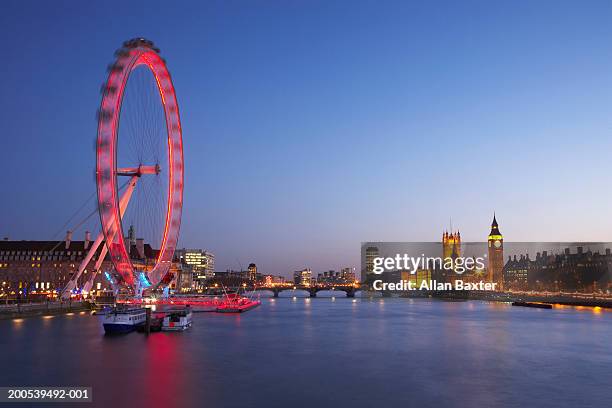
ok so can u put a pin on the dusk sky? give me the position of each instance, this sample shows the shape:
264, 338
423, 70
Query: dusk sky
311, 126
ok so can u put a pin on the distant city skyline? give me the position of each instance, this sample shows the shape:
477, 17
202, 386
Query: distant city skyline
311, 127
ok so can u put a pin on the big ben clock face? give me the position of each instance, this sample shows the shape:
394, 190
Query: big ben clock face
497, 243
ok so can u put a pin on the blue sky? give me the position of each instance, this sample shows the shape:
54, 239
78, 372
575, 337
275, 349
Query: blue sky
311, 126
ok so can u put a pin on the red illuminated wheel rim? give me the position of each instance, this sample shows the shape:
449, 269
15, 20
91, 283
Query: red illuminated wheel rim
113, 178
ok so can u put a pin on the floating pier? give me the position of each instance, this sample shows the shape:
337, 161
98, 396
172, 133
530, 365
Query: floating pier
533, 304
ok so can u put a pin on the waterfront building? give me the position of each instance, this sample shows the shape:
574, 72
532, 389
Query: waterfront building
183, 281
252, 271
368, 273
348, 275
515, 272
584, 271
451, 244
417, 278
278, 279
303, 277
273, 280
496, 255
451, 248
390, 276
202, 264
228, 278
34, 267
328, 277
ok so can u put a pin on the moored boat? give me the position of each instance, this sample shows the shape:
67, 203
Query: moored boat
123, 321
238, 305
177, 319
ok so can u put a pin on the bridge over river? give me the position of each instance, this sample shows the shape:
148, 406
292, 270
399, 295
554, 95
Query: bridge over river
276, 289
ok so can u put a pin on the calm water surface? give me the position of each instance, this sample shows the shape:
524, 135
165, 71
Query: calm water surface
328, 353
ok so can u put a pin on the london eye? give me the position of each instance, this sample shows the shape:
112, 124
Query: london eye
139, 169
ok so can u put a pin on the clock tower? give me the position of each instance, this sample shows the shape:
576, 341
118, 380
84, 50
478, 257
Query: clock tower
496, 255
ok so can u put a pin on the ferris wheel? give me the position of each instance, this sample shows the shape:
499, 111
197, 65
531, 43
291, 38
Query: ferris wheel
139, 169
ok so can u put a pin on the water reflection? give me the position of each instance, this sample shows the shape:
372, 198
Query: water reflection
392, 352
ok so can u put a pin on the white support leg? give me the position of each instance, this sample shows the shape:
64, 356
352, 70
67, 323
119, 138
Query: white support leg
123, 202
90, 282
73, 281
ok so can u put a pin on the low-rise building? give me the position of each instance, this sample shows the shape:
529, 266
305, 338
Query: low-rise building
30, 267
202, 264
303, 277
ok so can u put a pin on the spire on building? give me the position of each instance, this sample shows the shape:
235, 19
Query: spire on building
494, 226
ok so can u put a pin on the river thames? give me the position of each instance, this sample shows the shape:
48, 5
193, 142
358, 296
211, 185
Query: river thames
325, 352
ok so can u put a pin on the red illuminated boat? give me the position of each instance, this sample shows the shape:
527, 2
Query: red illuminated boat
234, 303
